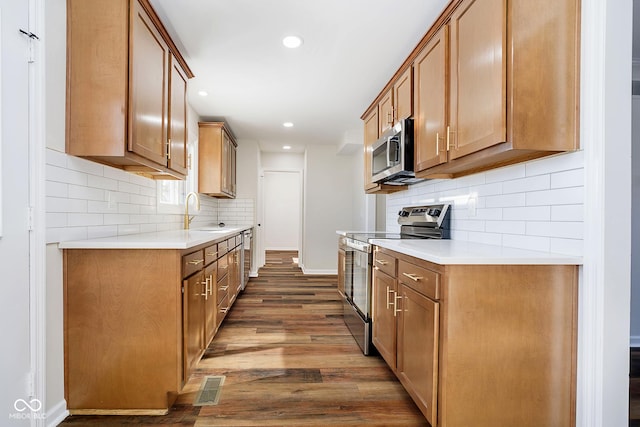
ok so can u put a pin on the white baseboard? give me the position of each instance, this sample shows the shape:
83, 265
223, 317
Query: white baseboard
57, 414
634, 341
318, 272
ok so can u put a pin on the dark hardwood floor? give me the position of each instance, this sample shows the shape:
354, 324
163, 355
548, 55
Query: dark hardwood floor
634, 388
288, 360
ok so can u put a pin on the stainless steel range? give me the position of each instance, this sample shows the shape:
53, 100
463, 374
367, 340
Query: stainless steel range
416, 222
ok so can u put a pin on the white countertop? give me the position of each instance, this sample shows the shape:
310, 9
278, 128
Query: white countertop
448, 252
174, 239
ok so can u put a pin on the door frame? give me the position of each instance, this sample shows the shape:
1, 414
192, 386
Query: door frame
260, 238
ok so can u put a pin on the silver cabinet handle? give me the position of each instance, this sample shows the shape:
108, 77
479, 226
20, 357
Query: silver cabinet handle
413, 277
382, 262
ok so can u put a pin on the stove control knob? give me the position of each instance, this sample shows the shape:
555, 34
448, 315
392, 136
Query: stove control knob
435, 212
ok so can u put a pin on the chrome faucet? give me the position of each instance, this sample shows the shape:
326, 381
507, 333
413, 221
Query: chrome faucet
188, 220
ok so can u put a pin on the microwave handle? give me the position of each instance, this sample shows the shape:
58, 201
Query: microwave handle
389, 151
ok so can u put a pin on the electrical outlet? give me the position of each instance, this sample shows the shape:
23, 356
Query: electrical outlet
472, 205
111, 202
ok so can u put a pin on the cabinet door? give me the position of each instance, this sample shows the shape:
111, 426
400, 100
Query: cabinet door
418, 324
177, 156
383, 316
232, 166
370, 136
403, 96
385, 112
478, 76
193, 324
210, 301
225, 169
430, 73
148, 91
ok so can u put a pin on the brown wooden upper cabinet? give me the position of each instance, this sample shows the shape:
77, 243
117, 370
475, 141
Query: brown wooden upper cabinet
395, 105
126, 89
216, 160
495, 82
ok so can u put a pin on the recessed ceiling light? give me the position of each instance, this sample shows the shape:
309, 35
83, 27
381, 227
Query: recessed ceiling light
292, 41
286, 147
287, 124
202, 93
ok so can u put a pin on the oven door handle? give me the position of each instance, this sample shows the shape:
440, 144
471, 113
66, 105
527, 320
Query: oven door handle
359, 246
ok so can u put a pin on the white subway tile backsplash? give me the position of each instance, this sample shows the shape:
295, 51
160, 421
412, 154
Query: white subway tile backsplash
86, 193
57, 189
56, 158
505, 174
59, 204
84, 165
127, 187
84, 219
58, 174
567, 246
535, 205
504, 201
506, 227
486, 238
102, 182
102, 231
542, 182
570, 230
533, 213
559, 196
567, 213
571, 178
87, 200
534, 243
557, 163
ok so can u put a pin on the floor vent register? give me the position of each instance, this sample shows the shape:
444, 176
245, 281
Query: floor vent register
209, 393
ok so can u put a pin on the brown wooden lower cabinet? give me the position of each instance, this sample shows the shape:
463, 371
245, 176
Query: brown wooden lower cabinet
480, 345
136, 323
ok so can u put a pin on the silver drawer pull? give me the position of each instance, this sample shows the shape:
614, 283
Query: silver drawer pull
382, 262
397, 309
223, 288
195, 261
413, 277
389, 291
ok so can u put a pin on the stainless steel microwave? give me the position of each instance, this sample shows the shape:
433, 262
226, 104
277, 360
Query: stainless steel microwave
392, 155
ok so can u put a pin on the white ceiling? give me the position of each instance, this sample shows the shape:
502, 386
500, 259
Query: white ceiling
351, 49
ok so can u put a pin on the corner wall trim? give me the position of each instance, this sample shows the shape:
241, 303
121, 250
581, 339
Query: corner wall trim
57, 414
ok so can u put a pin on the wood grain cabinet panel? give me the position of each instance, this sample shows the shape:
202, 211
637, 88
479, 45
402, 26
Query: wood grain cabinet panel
137, 322
431, 102
372, 131
495, 82
493, 345
383, 316
126, 107
499, 75
216, 160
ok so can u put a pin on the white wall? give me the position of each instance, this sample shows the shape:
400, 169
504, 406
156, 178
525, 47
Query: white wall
328, 206
282, 161
535, 205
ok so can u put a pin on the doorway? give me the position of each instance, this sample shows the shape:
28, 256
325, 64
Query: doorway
282, 210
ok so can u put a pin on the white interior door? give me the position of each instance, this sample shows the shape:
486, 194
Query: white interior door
282, 210
15, 361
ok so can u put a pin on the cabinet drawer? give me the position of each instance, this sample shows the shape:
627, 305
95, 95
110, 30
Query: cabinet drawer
222, 248
223, 308
385, 262
192, 262
425, 281
222, 289
210, 254
223, 266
